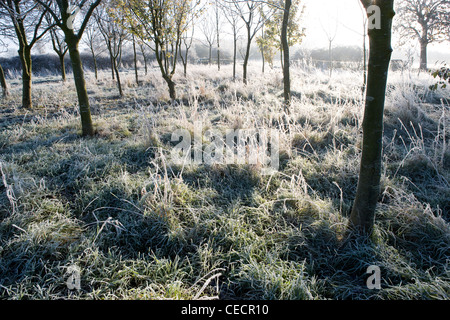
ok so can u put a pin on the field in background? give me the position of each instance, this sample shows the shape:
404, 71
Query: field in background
138, 228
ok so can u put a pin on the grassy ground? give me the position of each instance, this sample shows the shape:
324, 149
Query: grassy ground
139, 228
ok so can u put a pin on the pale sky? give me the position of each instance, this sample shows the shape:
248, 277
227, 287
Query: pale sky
344, 19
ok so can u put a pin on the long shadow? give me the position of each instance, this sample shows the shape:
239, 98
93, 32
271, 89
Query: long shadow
32, 145
9, 117
231, 182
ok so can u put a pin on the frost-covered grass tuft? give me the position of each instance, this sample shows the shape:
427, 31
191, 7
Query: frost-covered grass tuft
138, 227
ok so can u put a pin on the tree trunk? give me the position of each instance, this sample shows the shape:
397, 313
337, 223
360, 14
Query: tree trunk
363, 90
135, 62
185, 63
330, 56
368, 190
263, 61
141, 46
112, 66
145, 65
63, 67
172, 91
281, 59
234, 55
80, 84
3, 83
423, 55
218, 50
95, 66
184, 60
119, 84
262, 50
218, 58
218, 36
25, 58
285, 46
26, 92
210, 54
247, 56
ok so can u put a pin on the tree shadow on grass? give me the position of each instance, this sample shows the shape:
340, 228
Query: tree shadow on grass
231, 182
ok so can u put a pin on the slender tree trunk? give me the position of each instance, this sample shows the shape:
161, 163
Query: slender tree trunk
247, 56
368, 190
423, 55
141, 46
262, 51
95, 64
217, 35
210, 54
285, 46
185, 61
135, 62
80, 84
330, 57
63, 67
25, 58
112, 66
3, 83
263, 61
145, 64
234, 54
218, 56
119, 59
116, 71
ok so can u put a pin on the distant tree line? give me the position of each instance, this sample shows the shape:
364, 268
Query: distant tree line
49, 63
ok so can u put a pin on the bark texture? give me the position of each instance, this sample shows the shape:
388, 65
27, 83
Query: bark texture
363, 211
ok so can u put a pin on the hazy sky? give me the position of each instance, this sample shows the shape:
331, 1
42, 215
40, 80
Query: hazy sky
344, 19
340, 18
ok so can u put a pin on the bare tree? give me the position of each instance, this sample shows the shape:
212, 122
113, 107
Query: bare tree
59, 46
249, 13
187, 37
330, 32
368, 190
362, 34
208, 30
233, 19
63, 13
218, 23
92, 39
22, 21
114, 36
261, 42
142, 48
424, 20
185, 46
